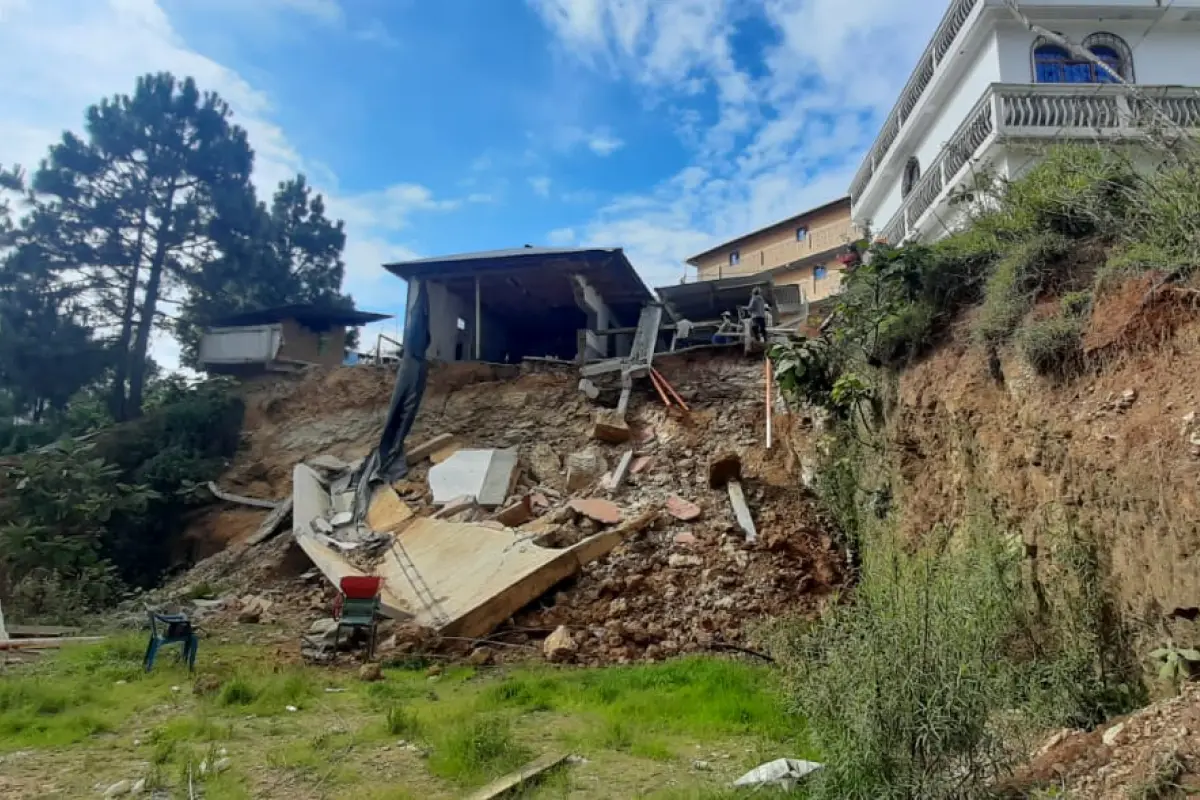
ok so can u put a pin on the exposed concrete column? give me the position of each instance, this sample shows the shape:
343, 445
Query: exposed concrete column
591, 302
478, 322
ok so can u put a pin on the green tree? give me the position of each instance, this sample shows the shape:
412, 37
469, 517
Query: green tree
135, 212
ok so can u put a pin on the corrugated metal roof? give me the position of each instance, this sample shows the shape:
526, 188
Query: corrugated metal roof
309, 315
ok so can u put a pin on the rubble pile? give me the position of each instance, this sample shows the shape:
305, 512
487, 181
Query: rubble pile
688, 581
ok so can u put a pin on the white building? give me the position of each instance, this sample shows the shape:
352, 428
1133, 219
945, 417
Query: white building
987, 87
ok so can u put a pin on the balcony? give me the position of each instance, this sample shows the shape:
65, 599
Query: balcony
1043, 111
939, 45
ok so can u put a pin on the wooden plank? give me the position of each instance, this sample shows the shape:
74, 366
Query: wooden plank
272, 524
515, 780
618, 475
47, 644
424, 450
39, 631
742, 511
229, 497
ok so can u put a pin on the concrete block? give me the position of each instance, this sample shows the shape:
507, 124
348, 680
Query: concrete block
487, 475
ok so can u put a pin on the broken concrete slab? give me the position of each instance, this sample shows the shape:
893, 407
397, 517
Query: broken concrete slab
609, 426
328, 463
516, 514
603, 511
682, 510
640, 464
272, 524
487, 475
742, 511
387, 512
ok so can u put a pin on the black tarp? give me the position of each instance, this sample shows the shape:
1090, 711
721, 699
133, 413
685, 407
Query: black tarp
387, 462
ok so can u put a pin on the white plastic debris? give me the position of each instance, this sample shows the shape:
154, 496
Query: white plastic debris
291, 708
785, 773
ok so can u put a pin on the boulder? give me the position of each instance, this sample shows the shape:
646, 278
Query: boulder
559, 646
545, 465
584, 468
609, 426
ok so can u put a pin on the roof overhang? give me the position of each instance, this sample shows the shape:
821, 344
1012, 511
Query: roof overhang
310, 316
706, 300
514, 283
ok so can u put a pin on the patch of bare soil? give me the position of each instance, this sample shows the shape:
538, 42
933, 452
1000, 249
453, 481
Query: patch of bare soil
1153, 753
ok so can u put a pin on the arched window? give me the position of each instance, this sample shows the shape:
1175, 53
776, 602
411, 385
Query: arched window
1055, 64
912, 174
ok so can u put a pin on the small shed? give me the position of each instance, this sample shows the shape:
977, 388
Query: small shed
280, 339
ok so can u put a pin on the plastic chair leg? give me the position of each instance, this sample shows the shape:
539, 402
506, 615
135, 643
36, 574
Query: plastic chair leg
151, 653
191, 648
337, 633
371, 633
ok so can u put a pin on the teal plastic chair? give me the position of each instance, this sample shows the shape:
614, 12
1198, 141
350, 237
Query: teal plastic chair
171, 629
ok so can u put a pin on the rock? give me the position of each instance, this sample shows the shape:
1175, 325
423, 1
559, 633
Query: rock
370, 672
249, 617
1128, 398
598, 509
481, 656
222, 764
609, 426
545, 465
119, 789
702, 766
516, 514
679, 560
559, 646
1109, 737
681, 509
685, 538
584, 468
588, 388
138, 788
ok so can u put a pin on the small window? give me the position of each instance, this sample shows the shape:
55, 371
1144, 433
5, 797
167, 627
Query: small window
819, 273
462, 324
801, 233
912, 175
735, 258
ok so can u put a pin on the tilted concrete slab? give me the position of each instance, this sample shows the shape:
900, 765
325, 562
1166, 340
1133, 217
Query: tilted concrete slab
470, 578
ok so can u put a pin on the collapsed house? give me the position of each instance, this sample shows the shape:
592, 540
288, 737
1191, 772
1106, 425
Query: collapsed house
503, 306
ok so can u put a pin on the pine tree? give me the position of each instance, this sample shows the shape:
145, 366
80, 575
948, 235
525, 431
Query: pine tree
134, 213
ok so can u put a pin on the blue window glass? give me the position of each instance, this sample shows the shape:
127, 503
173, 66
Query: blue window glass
1053, 64
819, 272
735, 258
801, 233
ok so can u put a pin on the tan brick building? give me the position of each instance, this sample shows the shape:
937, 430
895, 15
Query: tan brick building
801, 250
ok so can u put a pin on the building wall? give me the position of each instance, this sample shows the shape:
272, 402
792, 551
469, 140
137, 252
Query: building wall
1169, 54
983, 70
814, 288
304, 344
777, 246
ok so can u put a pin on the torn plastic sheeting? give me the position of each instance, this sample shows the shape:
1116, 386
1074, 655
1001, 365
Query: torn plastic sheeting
785, 773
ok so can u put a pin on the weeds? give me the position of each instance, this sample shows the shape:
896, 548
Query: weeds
1053, 346
477, 748
401, 721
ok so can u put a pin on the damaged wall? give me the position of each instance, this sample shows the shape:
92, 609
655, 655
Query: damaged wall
448, 343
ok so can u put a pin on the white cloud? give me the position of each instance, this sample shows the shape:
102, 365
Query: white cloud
604, 144
561, 237
786, 135
59, 58
540, 185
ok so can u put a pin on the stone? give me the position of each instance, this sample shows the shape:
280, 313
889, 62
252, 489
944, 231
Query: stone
685, 538
138, 788
119, 789
682, 510
481, 656
545, 465
1128, 398
602, 511
584, 468
370, 672
679, 560
559, 646
1109, 737
222, 764
639, 464
516, 514
588, 388
609, 426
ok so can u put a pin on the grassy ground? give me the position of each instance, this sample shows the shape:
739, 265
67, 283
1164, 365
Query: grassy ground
89, 717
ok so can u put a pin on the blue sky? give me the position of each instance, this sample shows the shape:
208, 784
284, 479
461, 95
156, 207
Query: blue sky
434, 127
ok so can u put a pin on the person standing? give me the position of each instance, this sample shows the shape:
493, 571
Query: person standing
758, 315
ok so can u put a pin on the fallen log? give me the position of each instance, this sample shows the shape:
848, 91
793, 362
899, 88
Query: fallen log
46, 644
229, 497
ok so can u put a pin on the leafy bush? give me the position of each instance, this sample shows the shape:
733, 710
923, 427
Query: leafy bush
1014, 284
1053, 346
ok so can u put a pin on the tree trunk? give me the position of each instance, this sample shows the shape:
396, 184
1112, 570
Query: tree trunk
141, 345
118, 404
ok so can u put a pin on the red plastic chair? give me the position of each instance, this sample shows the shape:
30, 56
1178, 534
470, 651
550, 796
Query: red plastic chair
358, 607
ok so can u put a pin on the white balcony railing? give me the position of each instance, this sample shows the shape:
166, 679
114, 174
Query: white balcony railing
939, 45
1043, 111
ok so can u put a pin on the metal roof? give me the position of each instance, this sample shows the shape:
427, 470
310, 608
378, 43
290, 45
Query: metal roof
705, 300
309, 315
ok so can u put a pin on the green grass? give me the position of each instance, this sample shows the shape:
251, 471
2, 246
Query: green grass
462, 728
